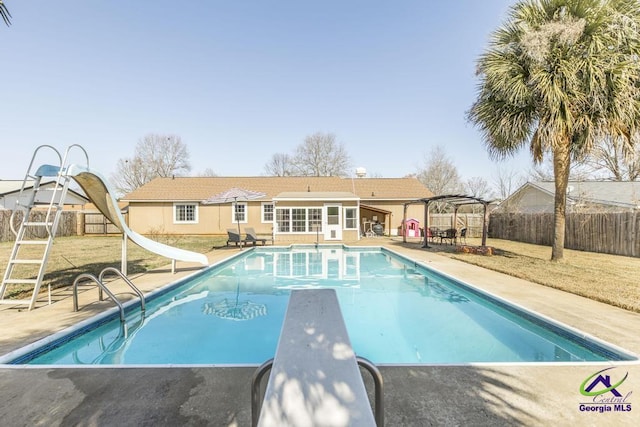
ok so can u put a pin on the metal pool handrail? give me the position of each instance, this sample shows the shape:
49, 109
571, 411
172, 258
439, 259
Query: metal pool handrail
258, 374
101, 286
127, 281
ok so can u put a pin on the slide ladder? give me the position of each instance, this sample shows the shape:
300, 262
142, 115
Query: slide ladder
37, 215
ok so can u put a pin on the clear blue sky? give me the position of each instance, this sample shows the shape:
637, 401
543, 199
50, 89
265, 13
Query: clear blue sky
241, 80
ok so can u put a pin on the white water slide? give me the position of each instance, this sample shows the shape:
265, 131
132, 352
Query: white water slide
51, 200
101, 194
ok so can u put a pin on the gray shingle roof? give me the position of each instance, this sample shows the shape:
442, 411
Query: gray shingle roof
617, 193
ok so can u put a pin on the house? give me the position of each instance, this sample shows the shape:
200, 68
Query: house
582, 196
304, 209
10, 191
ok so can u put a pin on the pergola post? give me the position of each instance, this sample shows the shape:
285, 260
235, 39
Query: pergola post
404, 223
426, 225
455, 216
485, 225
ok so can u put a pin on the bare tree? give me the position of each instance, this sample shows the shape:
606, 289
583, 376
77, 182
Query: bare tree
280, 165
478, 187
321, 155
615, 161
207, 172
440, 175
543, 171
506, 181
155, 156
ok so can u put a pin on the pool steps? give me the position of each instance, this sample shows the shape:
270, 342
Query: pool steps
315, 375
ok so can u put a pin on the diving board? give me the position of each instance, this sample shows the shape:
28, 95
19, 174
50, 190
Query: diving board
315, 379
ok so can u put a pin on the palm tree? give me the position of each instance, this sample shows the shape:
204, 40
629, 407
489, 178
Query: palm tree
4, 13
560, 76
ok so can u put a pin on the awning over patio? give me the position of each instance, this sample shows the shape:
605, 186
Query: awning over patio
367, 211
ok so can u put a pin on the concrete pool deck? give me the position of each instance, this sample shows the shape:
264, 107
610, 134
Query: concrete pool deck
473, 395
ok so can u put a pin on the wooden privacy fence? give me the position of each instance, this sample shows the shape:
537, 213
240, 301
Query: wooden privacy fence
472, 221
96, 223
66, 227
610, 233
72, 223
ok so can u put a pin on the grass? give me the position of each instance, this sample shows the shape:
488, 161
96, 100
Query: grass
607, 278
71, 256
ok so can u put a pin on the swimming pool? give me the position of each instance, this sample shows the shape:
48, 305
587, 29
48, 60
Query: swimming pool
396, 312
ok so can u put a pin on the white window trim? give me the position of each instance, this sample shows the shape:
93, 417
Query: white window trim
246, 213
273, 212
355, 219
290, 208
195, 213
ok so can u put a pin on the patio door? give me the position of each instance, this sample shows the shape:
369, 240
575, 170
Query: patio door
333, 224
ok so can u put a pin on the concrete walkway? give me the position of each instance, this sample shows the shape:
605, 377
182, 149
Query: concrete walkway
482, 395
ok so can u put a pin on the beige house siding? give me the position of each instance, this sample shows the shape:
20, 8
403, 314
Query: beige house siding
149, 218
152, 206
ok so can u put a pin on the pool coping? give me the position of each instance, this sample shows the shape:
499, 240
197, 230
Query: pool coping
13, 359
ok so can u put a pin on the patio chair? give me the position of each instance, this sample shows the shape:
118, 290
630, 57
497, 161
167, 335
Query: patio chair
234, 237
253, 237
463, 235
450, 235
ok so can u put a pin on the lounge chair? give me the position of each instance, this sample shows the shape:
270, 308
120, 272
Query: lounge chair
253, 237
234, 237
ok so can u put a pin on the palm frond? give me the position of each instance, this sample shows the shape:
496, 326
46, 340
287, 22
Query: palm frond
5, 14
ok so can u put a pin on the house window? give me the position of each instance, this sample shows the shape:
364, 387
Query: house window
239, 213
267, 212
282, 220
315, 219
333, 215
185, 213
350, 218
299, 220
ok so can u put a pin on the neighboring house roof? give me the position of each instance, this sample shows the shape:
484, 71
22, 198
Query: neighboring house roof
201, 188
625, 194
8, 187
12, 186
617, 193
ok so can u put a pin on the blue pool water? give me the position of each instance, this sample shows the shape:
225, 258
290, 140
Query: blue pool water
396, 312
